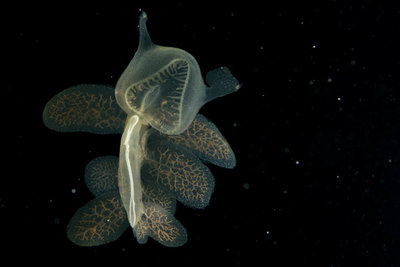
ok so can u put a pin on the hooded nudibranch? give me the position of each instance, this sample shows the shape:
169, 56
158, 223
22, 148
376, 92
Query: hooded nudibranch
164, 144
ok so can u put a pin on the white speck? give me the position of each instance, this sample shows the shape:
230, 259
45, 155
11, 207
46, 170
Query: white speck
330, 80
267, 232
297, 162
314, 46
261, 47
339, 99
73, 191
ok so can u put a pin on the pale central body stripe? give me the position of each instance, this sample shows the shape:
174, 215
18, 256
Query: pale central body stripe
132, 204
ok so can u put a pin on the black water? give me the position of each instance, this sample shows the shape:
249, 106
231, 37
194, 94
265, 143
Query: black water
315, 129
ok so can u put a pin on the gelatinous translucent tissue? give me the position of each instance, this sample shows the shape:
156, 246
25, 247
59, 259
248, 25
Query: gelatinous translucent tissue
164, 146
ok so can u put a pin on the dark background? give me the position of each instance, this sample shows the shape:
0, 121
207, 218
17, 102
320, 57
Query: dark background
315, 129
